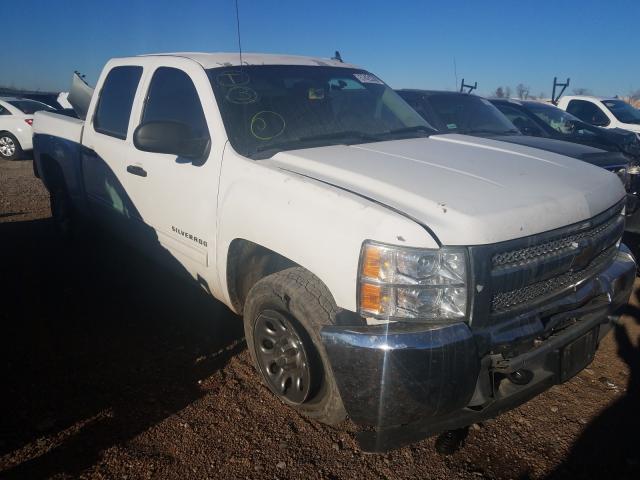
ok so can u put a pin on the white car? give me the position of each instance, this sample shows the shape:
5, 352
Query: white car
415, 282
602, 111
16, 118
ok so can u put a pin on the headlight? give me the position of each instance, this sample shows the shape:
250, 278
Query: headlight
398, 283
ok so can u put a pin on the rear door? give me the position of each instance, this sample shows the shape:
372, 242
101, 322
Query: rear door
106, 147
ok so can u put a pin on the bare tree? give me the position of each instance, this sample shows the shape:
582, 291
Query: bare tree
541, 95
499, 93
581, 91
507, 91
522, 91
635, 95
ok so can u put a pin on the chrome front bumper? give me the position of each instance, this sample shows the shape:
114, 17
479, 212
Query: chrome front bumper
408, 381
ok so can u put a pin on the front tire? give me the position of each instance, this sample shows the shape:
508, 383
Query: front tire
283, 315
10, 148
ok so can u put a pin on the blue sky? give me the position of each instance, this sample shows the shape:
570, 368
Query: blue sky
407, 43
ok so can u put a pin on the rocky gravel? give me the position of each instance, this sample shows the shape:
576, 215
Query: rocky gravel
110, 368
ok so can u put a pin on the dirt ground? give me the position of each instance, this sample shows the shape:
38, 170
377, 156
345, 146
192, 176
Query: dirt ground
109, 368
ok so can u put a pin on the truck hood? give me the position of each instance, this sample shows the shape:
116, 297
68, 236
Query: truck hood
466, 190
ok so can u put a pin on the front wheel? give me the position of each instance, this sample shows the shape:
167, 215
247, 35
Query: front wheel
283, 315
9, 147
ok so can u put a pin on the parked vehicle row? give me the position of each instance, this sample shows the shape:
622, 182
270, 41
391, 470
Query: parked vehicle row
455, 112
414, 280
16, 118
602, 111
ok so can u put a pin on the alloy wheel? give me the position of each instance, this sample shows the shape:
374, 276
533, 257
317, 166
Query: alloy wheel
7, 146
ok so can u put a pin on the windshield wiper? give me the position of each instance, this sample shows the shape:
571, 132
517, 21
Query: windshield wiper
481, 131
276, 146
415, 128
355, 134
302, 142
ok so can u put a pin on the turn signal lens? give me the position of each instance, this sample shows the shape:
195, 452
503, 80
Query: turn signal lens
370, 298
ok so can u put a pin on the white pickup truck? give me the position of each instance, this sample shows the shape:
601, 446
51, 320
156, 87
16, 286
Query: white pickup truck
603, 112
416, 283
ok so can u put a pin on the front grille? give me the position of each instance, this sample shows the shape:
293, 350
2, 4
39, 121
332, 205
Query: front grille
523, 256
538, 291
522, 274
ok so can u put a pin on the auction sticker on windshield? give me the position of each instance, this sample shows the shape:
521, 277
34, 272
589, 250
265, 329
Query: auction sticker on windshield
368, 78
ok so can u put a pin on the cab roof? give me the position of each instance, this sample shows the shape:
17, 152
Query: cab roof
589, 97
227, 59
431, 92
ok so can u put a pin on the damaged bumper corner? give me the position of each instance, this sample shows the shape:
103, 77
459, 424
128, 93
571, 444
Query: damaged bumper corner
408, 381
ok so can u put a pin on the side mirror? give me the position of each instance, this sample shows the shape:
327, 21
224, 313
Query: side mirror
172, 138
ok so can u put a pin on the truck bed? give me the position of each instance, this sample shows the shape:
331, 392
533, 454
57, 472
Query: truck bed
56, 125
56, 150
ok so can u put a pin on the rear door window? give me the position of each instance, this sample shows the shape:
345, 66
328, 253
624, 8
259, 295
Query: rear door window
4, 111
116, 99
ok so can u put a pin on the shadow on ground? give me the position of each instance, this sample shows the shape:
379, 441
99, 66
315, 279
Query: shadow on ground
608, 447
96, 346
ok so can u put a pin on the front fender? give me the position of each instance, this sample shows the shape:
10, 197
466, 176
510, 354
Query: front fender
315, 225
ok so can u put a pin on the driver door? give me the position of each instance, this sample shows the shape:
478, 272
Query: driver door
176, 197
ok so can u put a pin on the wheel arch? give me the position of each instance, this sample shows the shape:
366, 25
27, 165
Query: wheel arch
248, 263
51, 174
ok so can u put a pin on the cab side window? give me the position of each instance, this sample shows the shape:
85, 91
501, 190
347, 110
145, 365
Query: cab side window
172, 97
587, 112
521, 121
116, 99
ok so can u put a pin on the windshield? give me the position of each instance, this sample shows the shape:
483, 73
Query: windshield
461, 113
29, 106
271, 108
623, 111
558, 119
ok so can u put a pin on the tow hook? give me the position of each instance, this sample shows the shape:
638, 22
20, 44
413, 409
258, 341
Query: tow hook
451, 441
520, 377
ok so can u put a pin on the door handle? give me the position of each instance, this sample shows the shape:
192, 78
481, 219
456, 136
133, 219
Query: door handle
136, 170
